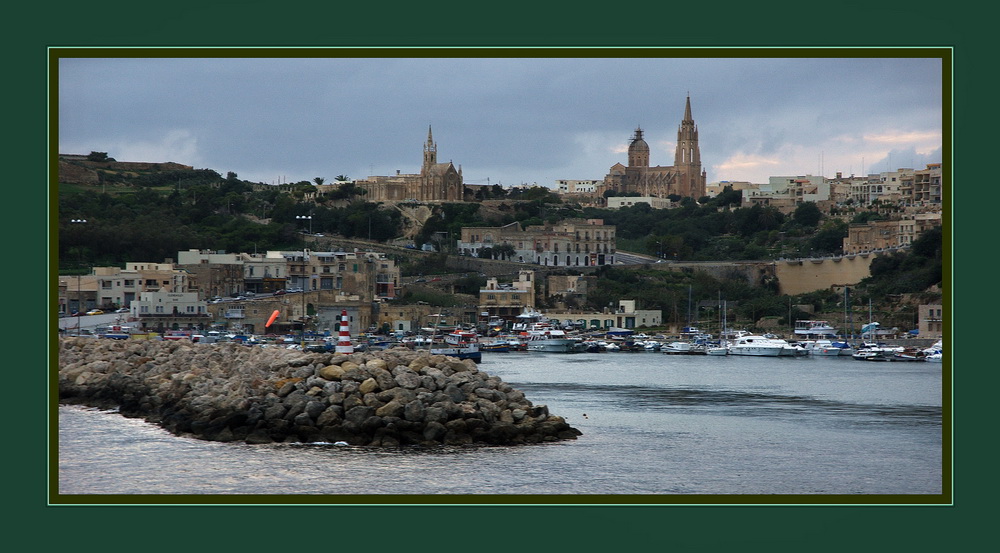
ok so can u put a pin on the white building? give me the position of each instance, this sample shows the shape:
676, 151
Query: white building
170, 310
618, 202
577, 186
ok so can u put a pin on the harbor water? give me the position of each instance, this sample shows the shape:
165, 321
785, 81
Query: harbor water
670, 425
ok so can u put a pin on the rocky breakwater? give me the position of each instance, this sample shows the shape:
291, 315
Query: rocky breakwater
230, 392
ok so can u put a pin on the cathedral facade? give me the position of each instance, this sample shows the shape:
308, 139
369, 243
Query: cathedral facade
440, 182
684, 178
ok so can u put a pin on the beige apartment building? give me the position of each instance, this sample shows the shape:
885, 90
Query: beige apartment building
369, 275
507, 301
930, 321
114, 287
898, 232
927, 185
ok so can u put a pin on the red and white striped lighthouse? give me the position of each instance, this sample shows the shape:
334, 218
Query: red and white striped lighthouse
344, 341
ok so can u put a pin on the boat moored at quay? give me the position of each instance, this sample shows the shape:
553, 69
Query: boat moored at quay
757, 346
553, 341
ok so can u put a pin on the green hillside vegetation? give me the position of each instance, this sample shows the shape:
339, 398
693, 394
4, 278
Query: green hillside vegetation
151, 216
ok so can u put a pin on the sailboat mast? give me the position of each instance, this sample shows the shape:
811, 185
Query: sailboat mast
689, 306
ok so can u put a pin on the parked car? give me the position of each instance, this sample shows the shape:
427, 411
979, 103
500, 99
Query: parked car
95, 312
281, 292
122, 310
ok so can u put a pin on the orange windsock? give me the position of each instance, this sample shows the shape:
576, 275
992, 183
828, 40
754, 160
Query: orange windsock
271, 320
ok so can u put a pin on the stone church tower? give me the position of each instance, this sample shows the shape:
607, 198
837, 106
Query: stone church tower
687, 157
436, 182
684, 178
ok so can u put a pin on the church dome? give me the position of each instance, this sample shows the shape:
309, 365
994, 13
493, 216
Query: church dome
638, 144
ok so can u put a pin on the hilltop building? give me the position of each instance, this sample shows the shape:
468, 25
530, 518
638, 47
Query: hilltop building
436, 182
571, 242
684, 178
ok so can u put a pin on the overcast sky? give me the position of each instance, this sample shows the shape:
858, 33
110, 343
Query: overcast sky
504, 120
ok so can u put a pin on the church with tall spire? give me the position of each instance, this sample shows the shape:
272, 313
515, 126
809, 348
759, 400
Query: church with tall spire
685, 178
440, 182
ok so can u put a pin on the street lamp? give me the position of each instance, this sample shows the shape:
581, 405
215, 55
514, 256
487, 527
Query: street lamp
79, 293
306, 217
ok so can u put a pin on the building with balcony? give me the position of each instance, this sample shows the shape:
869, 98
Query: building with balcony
369, 275
163, 310
571, 242
785, 193
927, 185
624, 316
507, 301
114, 287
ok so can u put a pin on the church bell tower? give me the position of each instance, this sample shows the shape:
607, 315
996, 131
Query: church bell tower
687, 157
430, 151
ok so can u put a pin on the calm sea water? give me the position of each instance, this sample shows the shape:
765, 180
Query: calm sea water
651, 423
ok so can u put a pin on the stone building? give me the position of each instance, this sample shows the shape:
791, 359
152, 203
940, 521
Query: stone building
900, 231
368, 275
930, 321
507, 301
436, 182
684, 178
571, 242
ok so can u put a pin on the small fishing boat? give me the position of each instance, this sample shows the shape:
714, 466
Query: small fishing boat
461, 344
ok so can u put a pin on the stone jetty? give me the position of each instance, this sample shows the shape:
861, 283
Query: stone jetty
231, 392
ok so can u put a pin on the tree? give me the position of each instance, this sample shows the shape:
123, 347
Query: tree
504, 251
807, 214
319, 181
99, 156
